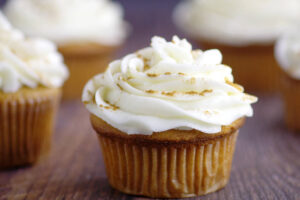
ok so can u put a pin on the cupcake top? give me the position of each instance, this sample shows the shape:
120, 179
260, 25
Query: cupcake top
287, 52
69, 21
237, 22
167, 86
28, 62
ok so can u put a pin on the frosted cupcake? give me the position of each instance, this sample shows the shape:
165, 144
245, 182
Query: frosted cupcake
167, 118
31, 74
245, 31
86, 32
287, 51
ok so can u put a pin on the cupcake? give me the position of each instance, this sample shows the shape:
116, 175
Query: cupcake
87, 33
287, 51
245, 31
31, 74
167, 118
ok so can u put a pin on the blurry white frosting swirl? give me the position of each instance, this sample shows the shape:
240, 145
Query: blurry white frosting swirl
167, 86
287, 52
28, 62
69, 21
237, 22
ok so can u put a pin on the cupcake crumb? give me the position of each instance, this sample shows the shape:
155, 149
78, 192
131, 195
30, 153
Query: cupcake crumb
110, 107
152, 75
168, 93
150, 91
236, 86
202, 93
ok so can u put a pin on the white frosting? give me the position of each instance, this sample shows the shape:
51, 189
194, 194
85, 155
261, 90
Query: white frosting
68, 21
287, 52
237, 22
28, 61
167, 86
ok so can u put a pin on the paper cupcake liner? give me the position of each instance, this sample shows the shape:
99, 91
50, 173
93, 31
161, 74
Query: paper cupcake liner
168, 171
26, 125
254, 67
290, 90
81, 70
84, 61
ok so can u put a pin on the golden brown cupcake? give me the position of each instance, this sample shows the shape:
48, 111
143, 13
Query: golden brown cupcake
87, 33
287, 52
245, 31
167, 118
31, 74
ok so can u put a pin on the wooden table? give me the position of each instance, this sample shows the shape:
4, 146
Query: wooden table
266, 163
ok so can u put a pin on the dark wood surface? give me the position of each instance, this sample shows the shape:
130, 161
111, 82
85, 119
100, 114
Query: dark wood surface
266, 163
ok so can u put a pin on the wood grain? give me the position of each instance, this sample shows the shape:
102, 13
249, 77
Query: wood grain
266, 163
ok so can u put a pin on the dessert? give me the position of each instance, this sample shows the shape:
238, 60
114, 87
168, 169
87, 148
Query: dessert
245, 31
31, 74
287, 53
86, 32
167, 118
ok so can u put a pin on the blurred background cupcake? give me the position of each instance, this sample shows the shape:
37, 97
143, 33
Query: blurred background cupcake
31, 74
245, 31
287, 52
86, 32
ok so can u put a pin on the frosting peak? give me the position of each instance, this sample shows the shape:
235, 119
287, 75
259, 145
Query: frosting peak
167, 86
69, 21
28, 61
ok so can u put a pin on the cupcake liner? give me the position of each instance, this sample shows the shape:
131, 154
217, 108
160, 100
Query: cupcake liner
169, 171
84, 62
254, 67
290, 90
26, 125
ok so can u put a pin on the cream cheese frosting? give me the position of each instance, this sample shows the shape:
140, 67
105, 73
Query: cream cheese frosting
28, 62
287, 52
69, 21
237, 22
167, 86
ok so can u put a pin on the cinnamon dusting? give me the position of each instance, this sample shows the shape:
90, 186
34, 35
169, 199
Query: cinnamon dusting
236, 86
152, 75
150, 91
168, 93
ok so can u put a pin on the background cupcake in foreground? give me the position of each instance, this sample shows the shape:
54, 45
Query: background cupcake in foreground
287, 53
245, 32
167, 118
86, 32
31, 74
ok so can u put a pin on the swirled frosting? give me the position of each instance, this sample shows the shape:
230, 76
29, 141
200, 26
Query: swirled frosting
287, 52
167, 86
28, 62
69, 21
237, 22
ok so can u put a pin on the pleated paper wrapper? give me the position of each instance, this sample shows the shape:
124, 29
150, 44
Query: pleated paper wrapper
253, 67
290, 90
169, 171
26, 125
83, 62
